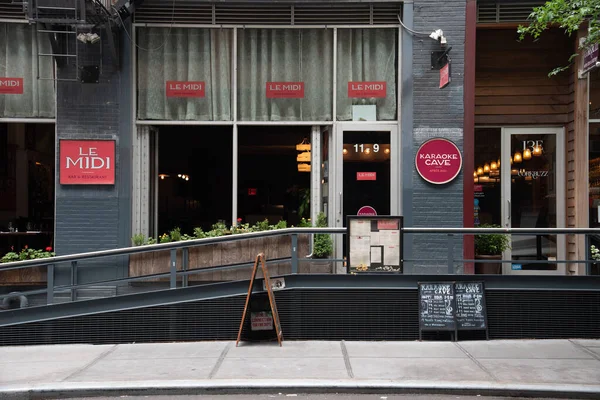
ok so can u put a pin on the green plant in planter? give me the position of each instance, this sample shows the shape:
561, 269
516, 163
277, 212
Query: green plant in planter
323, 244
491, 244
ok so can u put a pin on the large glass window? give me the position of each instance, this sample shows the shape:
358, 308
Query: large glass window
366, 74
184, 74
594, 161
22, 94
285, 74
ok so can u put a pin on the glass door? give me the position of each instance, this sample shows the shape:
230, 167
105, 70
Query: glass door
533, 196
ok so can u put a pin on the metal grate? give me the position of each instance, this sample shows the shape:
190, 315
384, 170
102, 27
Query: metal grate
268, 13
505, 12
11, 10
324, 314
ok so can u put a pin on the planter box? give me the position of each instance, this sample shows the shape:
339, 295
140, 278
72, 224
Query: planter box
489, 267
24, 276
223, 254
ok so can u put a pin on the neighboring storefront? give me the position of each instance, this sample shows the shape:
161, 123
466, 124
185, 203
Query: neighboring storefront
27, 137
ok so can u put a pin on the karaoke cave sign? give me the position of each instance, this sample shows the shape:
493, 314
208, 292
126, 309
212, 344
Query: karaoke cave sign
87, 162
438, 161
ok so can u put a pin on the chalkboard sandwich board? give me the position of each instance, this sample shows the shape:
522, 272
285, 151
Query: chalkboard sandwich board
470, 306
436, 307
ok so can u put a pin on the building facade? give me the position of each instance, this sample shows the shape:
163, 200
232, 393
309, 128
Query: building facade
183, 114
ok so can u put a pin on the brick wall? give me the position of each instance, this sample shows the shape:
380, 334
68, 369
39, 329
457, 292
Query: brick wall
437, 113
94, 217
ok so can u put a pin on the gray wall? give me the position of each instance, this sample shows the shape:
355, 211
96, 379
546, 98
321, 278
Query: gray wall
435, 113
95, 217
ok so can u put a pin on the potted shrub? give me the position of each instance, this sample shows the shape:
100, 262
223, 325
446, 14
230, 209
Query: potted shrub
595, 266
489, 247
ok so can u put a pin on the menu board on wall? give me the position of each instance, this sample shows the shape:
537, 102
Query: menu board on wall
374, 244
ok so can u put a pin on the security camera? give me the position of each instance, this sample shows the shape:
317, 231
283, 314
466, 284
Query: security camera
438, 35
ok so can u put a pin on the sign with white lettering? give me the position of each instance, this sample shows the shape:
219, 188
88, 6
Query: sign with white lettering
366, 176
590, 58
366, 89
285, 90
185, 89
438, 161
11, 85
87, 162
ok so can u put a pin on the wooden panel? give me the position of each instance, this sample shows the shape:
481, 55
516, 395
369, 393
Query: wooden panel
512, 82
558, 119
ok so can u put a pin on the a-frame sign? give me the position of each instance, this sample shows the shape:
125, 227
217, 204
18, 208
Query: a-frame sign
273, 305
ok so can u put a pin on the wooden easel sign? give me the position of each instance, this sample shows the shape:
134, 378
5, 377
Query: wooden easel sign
272, 304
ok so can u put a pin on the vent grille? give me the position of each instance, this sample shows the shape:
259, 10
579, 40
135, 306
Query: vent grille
11, 10
333, 314
273, 13
490, 13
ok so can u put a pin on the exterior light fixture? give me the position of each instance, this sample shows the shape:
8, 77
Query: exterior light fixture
517, 157
526, 154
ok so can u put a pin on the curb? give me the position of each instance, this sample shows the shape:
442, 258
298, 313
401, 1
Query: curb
260, 386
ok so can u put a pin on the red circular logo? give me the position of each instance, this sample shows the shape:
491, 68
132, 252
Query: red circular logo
366, 210
438, 161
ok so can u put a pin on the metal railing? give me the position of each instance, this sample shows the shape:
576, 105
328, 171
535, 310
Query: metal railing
174, 275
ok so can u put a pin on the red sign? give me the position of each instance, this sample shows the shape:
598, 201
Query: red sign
11, 85
285, 90
438, 161
478, 188
185, 89
445, 77
87, 162
366, 176
384, 224
366, 210
251, 191
366, 89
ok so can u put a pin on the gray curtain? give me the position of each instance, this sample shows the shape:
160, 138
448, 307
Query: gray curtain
366, 55
184, 54
285, 55
19, 59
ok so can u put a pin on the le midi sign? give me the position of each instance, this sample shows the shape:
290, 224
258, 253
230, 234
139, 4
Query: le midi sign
87, 162
11, 85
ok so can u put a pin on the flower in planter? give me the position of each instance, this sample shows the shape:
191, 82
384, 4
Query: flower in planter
595, 253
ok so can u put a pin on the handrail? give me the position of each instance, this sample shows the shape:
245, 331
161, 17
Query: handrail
125, 251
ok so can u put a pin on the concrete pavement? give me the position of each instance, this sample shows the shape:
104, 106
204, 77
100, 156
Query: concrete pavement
545, 368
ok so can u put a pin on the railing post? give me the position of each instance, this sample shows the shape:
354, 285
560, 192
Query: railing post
588, 267
73, 280
50, 284
185, 261
450, 254
294, 253
173, 268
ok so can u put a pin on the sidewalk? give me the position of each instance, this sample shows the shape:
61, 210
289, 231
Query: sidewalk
546, 368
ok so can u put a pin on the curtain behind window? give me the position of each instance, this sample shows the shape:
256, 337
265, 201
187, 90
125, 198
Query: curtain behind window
19, 59
184, 54
285, 55
366, 55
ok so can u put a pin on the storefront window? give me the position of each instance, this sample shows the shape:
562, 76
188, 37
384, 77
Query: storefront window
486, 176
274, 175
285, 74
594, 160
367, 65
22, 94
184, 74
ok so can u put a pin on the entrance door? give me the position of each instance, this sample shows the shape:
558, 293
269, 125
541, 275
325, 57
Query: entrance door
533, 196
367, 173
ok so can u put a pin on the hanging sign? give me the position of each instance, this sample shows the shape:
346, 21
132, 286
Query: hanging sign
438, 161
366, 176
590, 58
186, 89
285, 90
366, 89
11, 85
445, 77
87, 162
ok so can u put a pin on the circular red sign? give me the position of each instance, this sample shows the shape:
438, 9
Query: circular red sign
438, 161
366, 210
